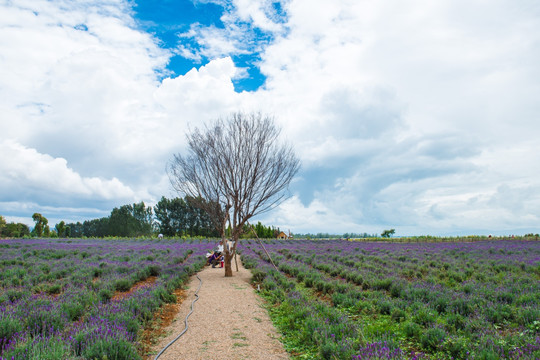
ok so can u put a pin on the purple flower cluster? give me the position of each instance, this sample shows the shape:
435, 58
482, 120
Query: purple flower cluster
378, 350
461, 299
61, 294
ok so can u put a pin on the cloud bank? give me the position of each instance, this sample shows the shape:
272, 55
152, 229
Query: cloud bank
406, 115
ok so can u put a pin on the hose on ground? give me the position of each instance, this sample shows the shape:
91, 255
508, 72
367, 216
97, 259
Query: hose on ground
185, 321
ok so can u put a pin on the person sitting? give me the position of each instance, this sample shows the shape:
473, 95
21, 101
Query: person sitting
216, 259
216, 256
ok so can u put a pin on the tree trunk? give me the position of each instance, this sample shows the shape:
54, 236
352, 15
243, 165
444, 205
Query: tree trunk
228, 264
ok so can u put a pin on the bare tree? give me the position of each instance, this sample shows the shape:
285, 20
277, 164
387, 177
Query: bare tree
239, 164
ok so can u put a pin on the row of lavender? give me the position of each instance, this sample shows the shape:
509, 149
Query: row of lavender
462, 300
59, 299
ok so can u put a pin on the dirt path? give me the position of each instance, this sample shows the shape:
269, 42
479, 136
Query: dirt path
228, 322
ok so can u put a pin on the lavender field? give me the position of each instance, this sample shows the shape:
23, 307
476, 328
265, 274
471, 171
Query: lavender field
361, 300
87, 299
90, 299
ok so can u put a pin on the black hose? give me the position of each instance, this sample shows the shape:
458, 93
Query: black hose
185, 321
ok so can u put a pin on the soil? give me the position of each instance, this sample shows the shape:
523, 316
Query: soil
119, 295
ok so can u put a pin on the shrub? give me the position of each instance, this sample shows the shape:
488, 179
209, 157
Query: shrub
460, 306
456, 347
398, 315
54, 289
341, 288
455, 322
319, 285
441, 304
424, 317
432, 338
383, 284
161, 294
257, 276
396, 289
527, 316
123, 284
105, 294
44, 320
505, 297
328, 350
412, 330
358, 279
499, 314
40, 348
269, 283
15, 294
344, 300
111, 349
72, 309
9, 327
487, 354
385, 307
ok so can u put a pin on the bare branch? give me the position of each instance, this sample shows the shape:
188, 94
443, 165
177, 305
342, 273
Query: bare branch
235, 169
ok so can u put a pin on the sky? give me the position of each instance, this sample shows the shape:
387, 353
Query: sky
421, 116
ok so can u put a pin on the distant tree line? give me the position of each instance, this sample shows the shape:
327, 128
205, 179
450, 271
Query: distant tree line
177, 217
170, 217
264, 232
15, 230
130, 220
335, 236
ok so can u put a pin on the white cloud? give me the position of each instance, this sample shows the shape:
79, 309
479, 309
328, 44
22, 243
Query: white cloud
414, 115
315, 217
25, 168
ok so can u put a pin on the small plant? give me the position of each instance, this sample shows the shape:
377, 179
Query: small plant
398, 315
432, 339
385, 308
424, 317
257, 276
123, 284
412, 330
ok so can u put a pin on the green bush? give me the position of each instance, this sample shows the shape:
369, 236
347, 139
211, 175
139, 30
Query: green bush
328, 350
385, 307
105, 294
54, 289
73, 310
45, 322
111, 349
9, 327
412, 330
455, 321
528, 316
383, 284
47, 348
460, 306
257, 276
269, 283
396, 289
456, 347
432, 339
123, 284
424, 317
499, 314
162, 294
398, 315
441, 303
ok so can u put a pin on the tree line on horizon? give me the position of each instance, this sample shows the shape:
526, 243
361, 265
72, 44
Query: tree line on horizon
169, 217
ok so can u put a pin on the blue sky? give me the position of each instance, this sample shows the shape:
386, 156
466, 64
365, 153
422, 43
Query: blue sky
170, 21
423, 117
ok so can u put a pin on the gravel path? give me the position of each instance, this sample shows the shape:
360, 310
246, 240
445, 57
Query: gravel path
228, 321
